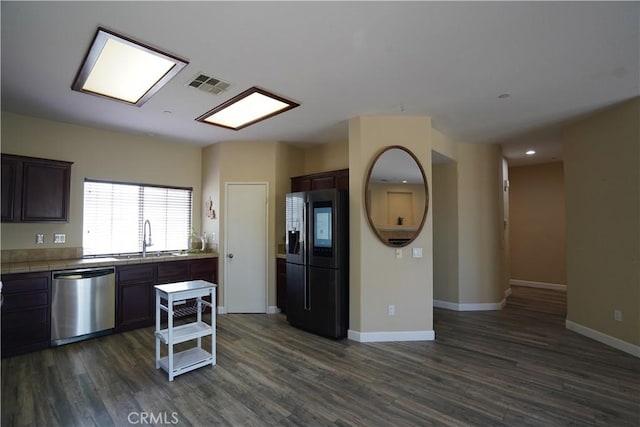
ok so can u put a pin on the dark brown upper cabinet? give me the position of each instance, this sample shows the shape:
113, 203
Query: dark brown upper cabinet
321, 181
34, 189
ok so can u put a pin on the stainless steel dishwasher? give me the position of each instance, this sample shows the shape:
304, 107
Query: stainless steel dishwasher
83, 304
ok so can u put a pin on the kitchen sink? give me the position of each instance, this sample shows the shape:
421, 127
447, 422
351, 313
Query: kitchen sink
150, 255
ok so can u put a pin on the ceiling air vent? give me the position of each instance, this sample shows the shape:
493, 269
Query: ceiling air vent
209, 84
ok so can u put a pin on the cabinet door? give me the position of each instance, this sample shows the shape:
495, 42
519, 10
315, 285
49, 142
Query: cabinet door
204, 269
323, 182
173, 271
135, 296
45, 191
300, 183
135, 306
25, 313
342, 179
25, 330
9, 174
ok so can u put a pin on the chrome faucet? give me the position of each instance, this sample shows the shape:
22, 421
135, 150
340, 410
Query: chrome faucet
145, 245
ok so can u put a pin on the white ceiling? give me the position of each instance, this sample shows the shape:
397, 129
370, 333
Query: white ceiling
447, 60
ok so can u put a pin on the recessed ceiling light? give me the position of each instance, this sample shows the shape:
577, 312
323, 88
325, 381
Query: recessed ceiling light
120, 68
247, 108
530, 153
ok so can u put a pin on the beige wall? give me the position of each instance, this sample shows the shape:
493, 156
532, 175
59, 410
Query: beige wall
480, 223
211, 189
326, 157
244, 162
444, 197
98, 154
262, 161
505, 238
537, 223
290, 162
377, 277
602, 182
468, 206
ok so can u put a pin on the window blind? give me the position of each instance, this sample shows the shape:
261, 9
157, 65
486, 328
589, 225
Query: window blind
114, 216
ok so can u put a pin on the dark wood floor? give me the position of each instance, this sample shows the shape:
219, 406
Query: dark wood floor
518, 366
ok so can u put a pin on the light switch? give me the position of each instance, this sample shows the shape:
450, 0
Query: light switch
59, 238
417, 252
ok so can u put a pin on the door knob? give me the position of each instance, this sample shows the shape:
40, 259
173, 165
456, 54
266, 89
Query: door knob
230, 255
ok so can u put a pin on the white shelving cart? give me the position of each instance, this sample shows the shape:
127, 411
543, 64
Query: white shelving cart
179, 363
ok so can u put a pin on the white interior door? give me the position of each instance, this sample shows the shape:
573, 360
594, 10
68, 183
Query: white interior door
245, 270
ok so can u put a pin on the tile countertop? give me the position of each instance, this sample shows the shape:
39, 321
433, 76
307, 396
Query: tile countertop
65, 264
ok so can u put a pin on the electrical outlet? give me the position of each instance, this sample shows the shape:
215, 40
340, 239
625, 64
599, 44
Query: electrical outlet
39, 239
59, 238
391, 310
617, 315
398, 253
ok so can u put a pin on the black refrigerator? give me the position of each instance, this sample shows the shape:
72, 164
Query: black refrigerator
317, 248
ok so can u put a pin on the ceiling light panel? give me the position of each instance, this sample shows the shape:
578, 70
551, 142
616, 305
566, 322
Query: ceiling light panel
247, 108
123, 69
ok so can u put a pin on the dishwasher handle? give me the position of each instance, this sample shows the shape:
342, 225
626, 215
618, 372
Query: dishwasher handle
83, 274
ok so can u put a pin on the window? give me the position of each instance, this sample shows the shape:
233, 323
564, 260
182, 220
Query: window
114, 216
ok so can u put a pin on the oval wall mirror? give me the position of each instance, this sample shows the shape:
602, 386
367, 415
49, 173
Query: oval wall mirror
396, 196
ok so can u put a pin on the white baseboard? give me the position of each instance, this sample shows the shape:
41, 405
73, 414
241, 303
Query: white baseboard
616, 343
470, 307
272, 309
541, 285
507, 293
446, 305
391, 336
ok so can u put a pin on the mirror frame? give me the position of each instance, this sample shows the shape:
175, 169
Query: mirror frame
367, 197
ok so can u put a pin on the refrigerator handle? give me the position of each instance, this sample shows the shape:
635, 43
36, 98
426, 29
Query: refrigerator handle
307, 246
307, 233
306, 289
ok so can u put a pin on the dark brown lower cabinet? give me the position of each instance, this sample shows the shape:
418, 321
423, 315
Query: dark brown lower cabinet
136, 294
205, 269
26, 312
134, 291
176, 271
26, 308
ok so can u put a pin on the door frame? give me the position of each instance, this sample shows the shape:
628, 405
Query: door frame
227, 185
